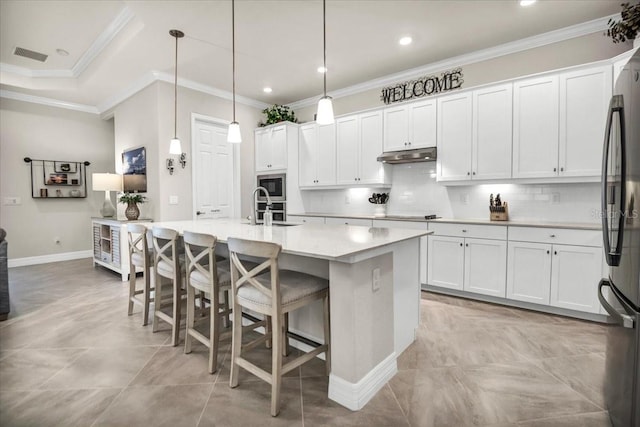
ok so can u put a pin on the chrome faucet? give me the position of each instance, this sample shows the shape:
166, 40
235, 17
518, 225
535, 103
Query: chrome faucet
254, 199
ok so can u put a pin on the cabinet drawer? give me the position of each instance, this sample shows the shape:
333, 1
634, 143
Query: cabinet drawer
556, 235
497, 232
306, 219
400, 224
348, 221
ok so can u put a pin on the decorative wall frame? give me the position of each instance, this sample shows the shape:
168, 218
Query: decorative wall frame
53, 179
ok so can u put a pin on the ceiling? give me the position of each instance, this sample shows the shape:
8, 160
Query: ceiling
114, 46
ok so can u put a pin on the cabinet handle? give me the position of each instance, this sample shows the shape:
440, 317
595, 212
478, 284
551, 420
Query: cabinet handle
474, 173
461, 244
468, 173
555, 252
548, 252
464, 231
466, 244
552, 235
561, 169
555, 169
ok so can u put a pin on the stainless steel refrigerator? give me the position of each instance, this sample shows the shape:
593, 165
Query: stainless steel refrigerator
620, 294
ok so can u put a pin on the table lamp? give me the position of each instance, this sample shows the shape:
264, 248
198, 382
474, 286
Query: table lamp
107, 182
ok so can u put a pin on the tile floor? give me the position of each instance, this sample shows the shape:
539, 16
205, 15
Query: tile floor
70, 356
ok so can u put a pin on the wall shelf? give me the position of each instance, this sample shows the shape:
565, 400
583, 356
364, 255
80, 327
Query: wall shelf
56, 179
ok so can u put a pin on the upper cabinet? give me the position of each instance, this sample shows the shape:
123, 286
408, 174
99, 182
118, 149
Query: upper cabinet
410, 126
584, 100
359, 143
535, 127
454, 137
317, 155
271, 147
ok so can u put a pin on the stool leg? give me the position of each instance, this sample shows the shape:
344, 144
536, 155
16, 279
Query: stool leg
214, 331
132, 288
276, 364
285, 337
236, 344
225, 319
191, 301
327, 334
268, 330
177, 297
146, 297
157, 300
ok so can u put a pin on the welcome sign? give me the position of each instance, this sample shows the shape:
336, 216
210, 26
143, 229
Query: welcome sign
447, 81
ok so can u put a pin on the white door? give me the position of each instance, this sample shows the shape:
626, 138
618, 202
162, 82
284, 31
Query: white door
371, 170
396, 125
454, 137
347, 151
485, 266
576, 271
422, 124
213, 172
307, 155
529, 272
535, 127
445, 262
326, 155
492, 132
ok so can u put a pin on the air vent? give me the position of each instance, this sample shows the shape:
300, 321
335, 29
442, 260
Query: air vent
20, 51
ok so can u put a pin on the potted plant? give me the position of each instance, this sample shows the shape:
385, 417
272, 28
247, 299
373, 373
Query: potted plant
277, 114
131, 199
628, 27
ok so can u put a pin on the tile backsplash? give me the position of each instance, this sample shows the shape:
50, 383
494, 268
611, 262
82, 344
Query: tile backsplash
415, 192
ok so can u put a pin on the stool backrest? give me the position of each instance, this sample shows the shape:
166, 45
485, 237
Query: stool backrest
138, 244
241, 276
200, 251
165, 245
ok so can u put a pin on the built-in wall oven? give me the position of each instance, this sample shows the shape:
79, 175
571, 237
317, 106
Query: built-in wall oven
276, 185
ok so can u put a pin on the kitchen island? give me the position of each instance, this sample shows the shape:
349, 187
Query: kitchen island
374, 289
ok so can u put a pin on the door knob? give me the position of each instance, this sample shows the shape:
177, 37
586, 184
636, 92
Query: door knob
200, 213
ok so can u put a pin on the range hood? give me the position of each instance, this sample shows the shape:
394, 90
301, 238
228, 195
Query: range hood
409, 156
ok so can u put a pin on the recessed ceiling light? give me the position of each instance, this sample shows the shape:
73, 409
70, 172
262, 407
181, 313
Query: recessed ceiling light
322, 70
62, 52
267, 90
405, 41
527, 2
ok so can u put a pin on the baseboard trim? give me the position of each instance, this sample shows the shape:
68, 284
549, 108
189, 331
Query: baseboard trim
44, 259
356, 395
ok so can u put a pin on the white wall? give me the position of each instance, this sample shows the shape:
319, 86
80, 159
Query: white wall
147, 119
40, 132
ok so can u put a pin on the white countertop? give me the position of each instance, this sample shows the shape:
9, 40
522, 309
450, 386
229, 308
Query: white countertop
516, 223
314, 240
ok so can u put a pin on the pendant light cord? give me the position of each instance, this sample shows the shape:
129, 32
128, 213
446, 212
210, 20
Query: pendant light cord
324, 42
233, 54
175, 95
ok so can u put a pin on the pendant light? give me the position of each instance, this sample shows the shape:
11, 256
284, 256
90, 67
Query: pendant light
325, 107
175, 147
233, 135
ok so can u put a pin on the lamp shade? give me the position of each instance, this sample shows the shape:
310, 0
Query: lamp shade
175, 147
107, 182
325, 111
233, 136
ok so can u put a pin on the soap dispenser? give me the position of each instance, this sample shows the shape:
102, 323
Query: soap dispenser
268, 217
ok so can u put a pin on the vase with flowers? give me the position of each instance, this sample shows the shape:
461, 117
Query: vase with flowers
132, 212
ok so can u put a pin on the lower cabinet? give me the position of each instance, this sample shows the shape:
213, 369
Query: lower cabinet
445, 264
556, 274
306, 219
348, 221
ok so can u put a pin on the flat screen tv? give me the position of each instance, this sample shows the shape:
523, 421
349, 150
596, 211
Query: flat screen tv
134, 170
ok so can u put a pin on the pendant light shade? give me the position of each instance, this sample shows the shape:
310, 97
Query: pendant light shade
324, 115
175, 147
233, 135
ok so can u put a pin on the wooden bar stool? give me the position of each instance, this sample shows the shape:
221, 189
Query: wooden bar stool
272, 294
169, 264
205, 275
140, 256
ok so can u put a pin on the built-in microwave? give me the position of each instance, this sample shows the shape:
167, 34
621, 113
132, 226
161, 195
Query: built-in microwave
275, 184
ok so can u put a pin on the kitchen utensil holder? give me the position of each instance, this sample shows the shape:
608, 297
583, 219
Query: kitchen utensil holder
380, 211
499, 213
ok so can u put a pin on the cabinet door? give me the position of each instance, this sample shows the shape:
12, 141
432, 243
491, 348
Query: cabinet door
262, 150
396, 126
535, 127
326, 155
307, 155
348, 221
529, 272
278, 137
422, 124
445, 262
347, 150
485, 266
454, 137
492, 132
576, 271
371, 170
584, 100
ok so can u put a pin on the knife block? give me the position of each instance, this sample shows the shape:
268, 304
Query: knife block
499, 213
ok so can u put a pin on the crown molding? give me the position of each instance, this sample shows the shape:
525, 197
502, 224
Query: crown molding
532, 42
18, 96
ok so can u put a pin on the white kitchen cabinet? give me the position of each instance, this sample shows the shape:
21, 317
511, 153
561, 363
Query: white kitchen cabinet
468, 257
535, 127
413, 225
317, 155
348, 221
557, 267
584, 100
271, 147
306, 219
454, 135
410, 126
492, 132
359, 143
